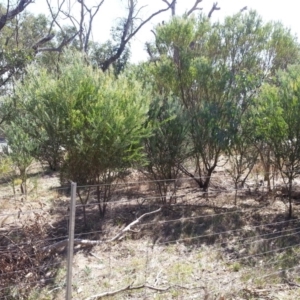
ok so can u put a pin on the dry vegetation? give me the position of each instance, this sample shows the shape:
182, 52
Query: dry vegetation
195, 248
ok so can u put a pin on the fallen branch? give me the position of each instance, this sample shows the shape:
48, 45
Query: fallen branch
291, 283
128, 227
130, 287
62, 244
93, 254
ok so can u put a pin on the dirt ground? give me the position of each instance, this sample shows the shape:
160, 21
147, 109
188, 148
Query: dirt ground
198, 246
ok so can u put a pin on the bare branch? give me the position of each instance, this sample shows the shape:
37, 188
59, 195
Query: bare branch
95, 6
10, 14
42, 41
126, 36
54, 15
71, 18
64, 43
135, 16
214, 7
81, 24
127, 288
194, 7
151, 287
244, 8
84, 22
89, 30
128, 227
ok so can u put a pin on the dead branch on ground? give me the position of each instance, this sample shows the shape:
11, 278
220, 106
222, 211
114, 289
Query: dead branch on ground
128, 288
131, 287
62, 244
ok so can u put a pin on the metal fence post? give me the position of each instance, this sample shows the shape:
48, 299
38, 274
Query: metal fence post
71, 240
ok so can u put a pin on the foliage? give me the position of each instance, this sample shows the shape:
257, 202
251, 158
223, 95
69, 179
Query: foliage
99, 53
17, 40
6, 166
168, 146
243, 153
86, 120
277, 119
215, 69
20, 148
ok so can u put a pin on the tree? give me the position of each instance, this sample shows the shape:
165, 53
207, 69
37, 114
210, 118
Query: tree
99, 53
167, 147
216, 70
277, 117
94, 118
17, 39
242, 153
23, 39
20, 152
125, 30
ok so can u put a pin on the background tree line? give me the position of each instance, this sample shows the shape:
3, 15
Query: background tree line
209, 91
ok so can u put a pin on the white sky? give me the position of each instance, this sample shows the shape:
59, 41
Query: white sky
285, 11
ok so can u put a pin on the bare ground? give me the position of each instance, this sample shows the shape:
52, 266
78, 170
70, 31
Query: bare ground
199, 247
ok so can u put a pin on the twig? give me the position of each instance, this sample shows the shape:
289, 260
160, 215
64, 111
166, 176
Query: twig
157, 277
64, 243
292, 283
194, 7
93, 254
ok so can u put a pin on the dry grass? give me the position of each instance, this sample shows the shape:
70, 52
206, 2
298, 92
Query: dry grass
198, 248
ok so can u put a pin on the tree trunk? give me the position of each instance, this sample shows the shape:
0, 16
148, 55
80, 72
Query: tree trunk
290, 198
208, 177
84, 216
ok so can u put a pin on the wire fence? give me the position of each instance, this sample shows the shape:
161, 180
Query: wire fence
133, 240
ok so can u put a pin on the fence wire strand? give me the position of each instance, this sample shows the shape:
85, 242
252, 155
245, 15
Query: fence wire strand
272, 239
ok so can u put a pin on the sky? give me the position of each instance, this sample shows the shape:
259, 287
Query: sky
285, 11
